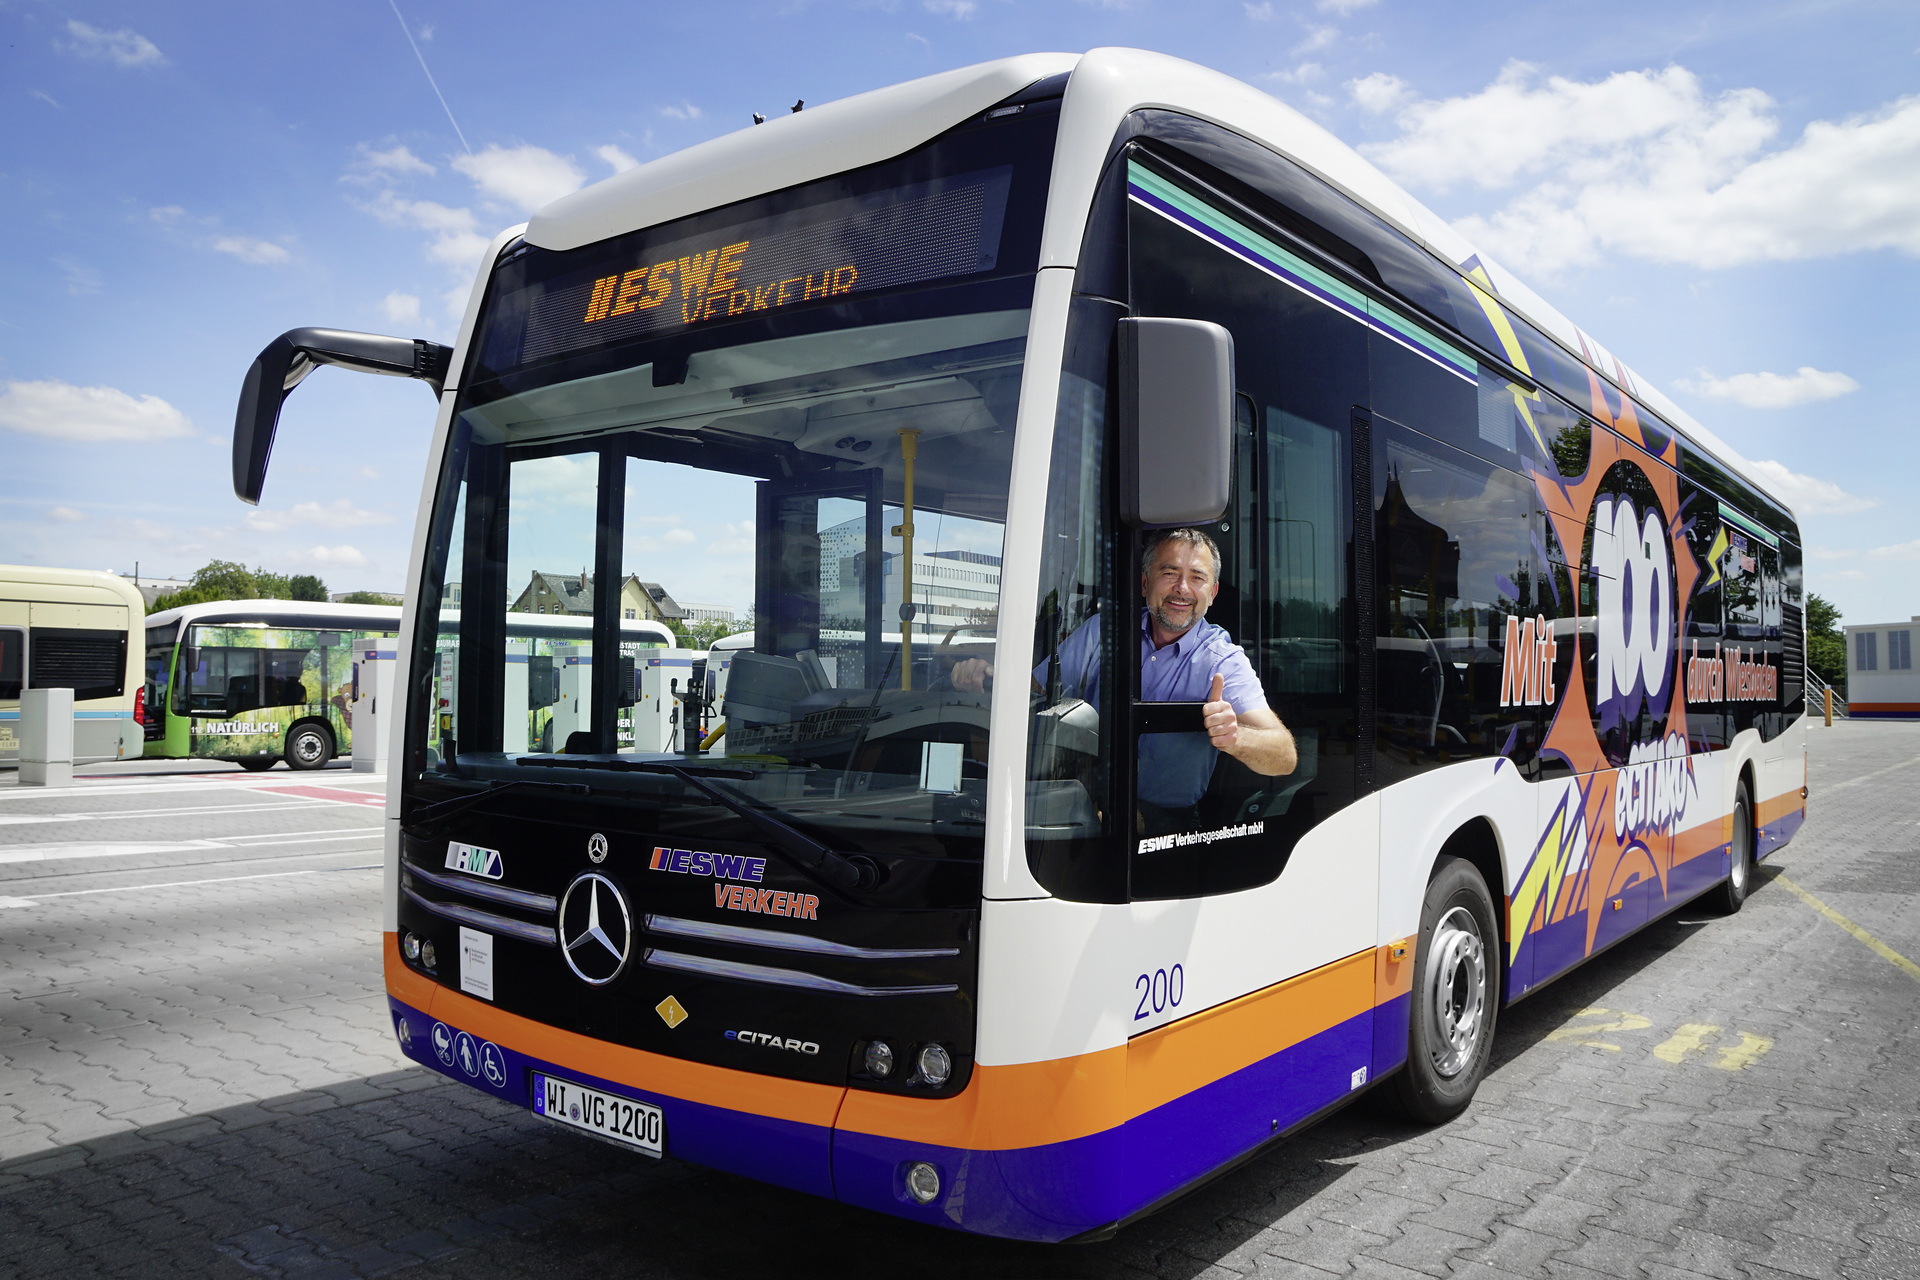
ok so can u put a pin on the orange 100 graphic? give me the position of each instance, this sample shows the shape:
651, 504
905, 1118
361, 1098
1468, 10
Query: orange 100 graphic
1631, 829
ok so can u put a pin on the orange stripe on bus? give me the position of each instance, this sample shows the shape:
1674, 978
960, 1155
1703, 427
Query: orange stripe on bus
1778, 807
794, 1100
1034, 1103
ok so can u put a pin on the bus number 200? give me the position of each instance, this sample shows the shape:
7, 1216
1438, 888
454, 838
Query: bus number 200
1159, 991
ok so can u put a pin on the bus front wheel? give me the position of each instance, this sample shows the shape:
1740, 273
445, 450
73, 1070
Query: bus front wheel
257, 764
1455, 997
309, 746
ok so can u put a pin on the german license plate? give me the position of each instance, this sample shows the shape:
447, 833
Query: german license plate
604, 1115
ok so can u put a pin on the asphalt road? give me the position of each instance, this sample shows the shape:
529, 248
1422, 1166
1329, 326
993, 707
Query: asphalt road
196, 1077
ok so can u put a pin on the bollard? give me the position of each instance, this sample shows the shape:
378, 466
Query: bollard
1829, 708
46, 737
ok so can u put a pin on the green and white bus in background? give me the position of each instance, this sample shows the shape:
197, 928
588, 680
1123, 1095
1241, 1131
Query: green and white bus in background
256, 681
69, 629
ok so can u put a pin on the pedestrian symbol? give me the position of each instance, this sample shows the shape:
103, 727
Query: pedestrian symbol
467, 1050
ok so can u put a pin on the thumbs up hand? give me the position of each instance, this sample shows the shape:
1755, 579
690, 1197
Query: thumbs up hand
1223, 726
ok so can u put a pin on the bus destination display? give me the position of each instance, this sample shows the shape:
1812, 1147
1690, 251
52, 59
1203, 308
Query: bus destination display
904, 235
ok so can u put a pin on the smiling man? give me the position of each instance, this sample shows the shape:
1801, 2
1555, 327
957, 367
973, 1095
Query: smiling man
1183, 658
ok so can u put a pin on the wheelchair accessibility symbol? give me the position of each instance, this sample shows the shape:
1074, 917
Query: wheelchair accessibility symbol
493, 1064
442, 1037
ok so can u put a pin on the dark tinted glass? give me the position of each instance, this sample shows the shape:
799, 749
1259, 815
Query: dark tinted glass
91, 663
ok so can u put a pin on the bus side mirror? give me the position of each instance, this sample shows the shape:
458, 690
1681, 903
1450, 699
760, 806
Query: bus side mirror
1176, 421
190, 658
296, 353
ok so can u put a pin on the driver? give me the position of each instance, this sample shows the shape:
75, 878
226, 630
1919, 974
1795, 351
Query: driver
1183, 658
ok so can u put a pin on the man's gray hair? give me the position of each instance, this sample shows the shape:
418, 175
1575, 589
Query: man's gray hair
1161, 537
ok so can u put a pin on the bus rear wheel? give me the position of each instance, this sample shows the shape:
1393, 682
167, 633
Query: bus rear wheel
1739, 883
1455, 997
309, 746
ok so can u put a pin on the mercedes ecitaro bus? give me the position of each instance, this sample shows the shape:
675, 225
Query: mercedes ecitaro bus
73, 629
952, 948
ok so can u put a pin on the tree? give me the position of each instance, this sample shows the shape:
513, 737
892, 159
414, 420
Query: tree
1826, 646
702, 634
362, 597
231, 580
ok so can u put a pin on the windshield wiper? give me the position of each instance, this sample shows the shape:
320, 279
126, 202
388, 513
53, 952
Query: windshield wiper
441, 810
849, 875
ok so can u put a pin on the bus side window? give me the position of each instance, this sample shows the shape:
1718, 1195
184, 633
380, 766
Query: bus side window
12, 645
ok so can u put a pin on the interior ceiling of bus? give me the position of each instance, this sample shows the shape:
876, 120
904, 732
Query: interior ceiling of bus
818, 402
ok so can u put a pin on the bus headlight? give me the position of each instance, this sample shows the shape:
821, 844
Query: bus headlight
936, 1065
427, 956
879, 1059
923, 1182
410, 946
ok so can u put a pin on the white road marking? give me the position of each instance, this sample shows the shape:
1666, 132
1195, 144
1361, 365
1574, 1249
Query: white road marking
180, 884
25, 819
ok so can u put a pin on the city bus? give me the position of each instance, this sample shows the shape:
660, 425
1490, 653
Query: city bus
940, 947
259, 681
71, 629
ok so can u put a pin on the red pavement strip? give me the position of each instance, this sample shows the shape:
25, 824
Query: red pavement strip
328, 793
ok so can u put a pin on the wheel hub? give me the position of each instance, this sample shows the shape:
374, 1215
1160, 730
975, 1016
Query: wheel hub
1456, 991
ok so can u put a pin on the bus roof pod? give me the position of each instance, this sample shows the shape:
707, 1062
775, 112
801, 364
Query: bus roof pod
787, 150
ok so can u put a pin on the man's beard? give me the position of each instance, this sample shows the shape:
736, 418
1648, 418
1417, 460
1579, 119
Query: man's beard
1195, 613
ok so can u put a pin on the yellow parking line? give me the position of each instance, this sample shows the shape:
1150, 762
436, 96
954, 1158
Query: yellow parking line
1873, 944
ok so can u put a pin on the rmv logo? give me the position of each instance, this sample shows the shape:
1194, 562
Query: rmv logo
1635, 564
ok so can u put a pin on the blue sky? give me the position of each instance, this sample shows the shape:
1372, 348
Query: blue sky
1727, 195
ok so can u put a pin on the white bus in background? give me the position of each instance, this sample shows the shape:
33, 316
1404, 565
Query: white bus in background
73, 629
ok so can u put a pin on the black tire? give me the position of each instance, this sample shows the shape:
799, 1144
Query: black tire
1733, 891
258, 764
1456, 997
309, 746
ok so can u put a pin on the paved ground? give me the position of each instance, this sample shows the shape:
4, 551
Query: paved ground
195, 1077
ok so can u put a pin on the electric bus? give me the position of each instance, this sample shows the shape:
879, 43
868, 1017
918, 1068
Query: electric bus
72, 629
259, 681
940, 947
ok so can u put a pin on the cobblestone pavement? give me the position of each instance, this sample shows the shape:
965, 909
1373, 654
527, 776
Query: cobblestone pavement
195, 1077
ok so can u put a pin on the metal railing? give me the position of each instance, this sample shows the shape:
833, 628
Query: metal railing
1818, 691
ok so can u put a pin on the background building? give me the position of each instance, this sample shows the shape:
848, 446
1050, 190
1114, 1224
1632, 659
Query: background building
572, 594
1881, 681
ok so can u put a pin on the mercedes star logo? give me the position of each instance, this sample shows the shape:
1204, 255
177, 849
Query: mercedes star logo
596, 930
597, 847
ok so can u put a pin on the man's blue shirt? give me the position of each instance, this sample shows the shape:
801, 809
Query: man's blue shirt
1174, 767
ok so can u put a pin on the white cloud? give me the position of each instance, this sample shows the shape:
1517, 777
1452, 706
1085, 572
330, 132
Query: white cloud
80, 278
1318, 38
338, 514
1770, 390
923, 41
525, 176
395, 162
1899, 551
334, 557
401, 308
261, 253
456, 242
961, 9
126, 47
45, 97
1646, 164
1345, 8
618, 160
368, 473
1830, 553
1809, 494
66, 515
685, 111
1262, 12
167, 214
88, 414
1305, 73
1378, 92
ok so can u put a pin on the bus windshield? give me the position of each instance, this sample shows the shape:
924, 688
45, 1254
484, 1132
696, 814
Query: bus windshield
802, 414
